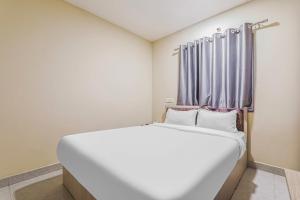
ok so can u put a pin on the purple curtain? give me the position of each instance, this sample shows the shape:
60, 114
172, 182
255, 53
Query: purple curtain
218, 72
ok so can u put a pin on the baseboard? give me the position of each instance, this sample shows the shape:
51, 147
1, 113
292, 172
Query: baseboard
266, 167
293, 182
4, 182
29, 175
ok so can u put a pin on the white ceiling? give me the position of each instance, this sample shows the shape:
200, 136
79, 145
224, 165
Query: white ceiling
154, 19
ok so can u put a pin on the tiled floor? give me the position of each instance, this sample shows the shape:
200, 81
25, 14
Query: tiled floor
293, 181
7, 193
255, 185
261, 185
4, 193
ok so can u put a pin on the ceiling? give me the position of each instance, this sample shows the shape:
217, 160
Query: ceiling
154, 19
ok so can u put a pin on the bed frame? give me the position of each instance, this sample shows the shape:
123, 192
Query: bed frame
80, 193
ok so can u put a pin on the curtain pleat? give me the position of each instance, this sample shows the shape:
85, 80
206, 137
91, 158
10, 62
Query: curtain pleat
218, 71
182, 84
205, 71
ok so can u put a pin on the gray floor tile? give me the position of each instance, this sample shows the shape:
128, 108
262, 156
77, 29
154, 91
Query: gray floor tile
4, 193
22, 184
281, 188
261, 185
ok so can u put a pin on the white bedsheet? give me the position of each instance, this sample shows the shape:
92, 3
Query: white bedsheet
155, 162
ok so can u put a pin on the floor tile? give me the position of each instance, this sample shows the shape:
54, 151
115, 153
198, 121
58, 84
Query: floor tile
293, 182
22, 184
261, 185
281, 188
4, 193
49, 189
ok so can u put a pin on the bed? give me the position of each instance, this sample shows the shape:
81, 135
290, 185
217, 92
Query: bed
154, 162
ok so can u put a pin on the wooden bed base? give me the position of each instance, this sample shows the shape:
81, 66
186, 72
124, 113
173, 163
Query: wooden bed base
75, 188
80, 193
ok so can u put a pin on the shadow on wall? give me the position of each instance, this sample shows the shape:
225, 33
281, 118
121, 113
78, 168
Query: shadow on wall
251, 116
249, 135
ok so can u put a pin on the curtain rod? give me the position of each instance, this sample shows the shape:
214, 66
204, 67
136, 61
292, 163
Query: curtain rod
259, 23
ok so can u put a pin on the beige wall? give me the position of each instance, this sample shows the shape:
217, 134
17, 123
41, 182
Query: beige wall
62, 71
275, 125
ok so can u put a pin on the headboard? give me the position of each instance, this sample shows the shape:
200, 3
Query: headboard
241, 120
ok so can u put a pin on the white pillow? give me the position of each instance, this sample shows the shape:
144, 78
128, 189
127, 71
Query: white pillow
224, 121
187, 118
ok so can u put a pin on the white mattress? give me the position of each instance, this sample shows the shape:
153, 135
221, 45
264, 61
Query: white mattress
155, 162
